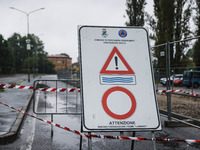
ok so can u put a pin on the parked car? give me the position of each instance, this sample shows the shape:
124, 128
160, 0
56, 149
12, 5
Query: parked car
163, 81
178, 82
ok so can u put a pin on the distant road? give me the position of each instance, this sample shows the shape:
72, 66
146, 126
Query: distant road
13, 78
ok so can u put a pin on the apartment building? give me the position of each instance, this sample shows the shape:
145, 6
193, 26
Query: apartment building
61, 62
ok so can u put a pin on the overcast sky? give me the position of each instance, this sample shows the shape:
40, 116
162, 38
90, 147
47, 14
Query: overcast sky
56, 25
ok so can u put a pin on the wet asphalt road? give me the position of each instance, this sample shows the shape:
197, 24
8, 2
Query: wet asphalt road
11, 97
37, 135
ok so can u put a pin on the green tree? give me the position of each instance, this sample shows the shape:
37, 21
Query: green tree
42, 61
35, 58
196, 56
49, 66
171, 23
6, 57
36, 53
135, 12
190, 53
17, 45
186, 62
181, 29
15, 58
162, 26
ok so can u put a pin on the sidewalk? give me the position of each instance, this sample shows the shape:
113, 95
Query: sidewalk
10, 120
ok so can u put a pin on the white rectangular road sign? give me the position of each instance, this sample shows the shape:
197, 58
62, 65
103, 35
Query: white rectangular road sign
117, 81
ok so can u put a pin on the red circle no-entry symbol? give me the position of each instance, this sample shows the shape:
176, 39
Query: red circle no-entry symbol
109, 112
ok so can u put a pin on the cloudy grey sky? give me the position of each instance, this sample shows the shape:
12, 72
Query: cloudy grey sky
56, 25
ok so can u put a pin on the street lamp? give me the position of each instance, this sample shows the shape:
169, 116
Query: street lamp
28, 40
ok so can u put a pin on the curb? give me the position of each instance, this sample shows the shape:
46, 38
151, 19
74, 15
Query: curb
12, 135
181, 117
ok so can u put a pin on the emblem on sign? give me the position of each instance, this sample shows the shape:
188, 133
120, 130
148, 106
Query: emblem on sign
122, 33
104, 33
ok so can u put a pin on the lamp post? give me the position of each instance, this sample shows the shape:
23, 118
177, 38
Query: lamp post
28, 40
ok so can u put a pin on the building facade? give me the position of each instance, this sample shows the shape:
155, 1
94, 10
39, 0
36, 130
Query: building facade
61, 62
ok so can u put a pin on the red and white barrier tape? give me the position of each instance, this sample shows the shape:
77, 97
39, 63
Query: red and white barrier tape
176, 91
40, 89
104, 136
78, 90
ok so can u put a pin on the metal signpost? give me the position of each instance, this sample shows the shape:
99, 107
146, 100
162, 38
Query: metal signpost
117, 82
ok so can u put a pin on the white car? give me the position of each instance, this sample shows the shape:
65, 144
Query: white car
163, 81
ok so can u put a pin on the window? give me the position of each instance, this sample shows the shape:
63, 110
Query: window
196, 74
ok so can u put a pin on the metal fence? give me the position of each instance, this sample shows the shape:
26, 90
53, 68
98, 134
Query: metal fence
63, 98
64, 74
175, 104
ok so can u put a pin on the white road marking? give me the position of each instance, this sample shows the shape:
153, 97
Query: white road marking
29, 141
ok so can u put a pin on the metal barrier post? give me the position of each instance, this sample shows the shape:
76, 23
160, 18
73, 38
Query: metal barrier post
89, 141
66, 97
76, 99
167, 49
56, 96
45, 97
132, 142
34, 83
192, 82
157, 72
154, 141
80, 146
122, 134
81, 139
173, 73
51, 126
